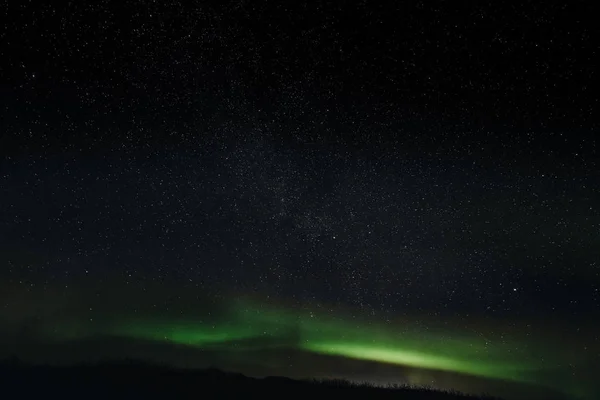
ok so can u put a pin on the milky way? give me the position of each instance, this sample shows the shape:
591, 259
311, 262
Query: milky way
406, 193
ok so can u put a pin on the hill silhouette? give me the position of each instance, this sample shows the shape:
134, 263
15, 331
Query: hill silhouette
138, 379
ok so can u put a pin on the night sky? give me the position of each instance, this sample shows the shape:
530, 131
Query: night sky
403, 193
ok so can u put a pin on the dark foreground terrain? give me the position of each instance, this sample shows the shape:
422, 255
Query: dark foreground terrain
136, 380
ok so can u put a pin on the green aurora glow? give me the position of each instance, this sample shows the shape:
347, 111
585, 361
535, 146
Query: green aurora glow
243, 327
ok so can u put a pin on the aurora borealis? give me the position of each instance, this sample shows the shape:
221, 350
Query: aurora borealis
389, 192
336, 338
241, 329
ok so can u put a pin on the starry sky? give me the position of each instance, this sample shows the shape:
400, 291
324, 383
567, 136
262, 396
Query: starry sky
392, 193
